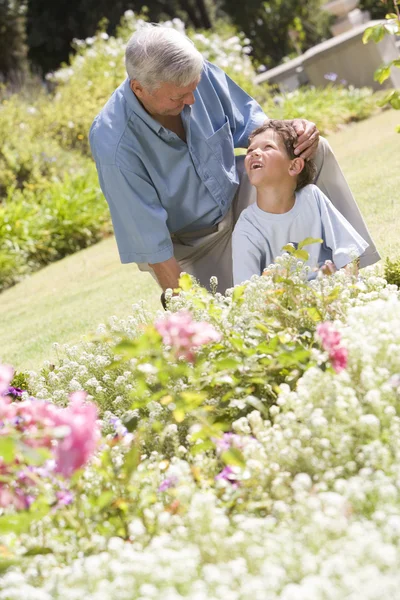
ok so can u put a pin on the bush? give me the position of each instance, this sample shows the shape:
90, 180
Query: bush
329, 107
392, 271
44, 225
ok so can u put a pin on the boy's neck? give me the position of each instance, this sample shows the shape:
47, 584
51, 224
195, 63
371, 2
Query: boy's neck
276, 200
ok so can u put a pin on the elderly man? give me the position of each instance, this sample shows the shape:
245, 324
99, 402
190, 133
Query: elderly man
164, 150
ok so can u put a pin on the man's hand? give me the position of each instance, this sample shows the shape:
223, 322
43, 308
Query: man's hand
308, 138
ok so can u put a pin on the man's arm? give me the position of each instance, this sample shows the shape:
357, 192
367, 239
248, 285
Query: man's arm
167, 273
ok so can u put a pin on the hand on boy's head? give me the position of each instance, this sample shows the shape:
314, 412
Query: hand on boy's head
308, 138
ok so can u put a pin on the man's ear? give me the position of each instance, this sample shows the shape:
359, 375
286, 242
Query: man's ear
136, 87
296, 166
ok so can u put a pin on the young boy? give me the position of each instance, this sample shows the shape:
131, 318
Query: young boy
288, 209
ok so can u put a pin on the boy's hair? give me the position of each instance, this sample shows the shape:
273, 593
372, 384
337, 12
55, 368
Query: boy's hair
288, 136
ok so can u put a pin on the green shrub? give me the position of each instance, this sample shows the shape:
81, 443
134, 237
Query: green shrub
328, 107
392, 271
40, 226
30, 157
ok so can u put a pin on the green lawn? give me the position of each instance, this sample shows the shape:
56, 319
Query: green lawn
70, 298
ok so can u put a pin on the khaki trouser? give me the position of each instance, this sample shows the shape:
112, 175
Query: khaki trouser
209, 252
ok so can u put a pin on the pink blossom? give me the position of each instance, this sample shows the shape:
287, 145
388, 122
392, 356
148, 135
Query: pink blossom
228, 474
183, 334
38, 419
167, 483
75, 449
227, 441
332, 343
6, 375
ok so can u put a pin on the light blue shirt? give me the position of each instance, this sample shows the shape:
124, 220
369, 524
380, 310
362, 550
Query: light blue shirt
259, 236
156, 184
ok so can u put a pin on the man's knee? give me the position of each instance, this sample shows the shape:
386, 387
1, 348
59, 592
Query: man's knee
324, 147
323, 151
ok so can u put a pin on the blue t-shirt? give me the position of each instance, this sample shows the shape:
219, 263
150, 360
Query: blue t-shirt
156, 184
259, 236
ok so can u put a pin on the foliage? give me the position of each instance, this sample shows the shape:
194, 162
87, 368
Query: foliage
376, 34
392, 271
51, 26
376, 8
279, 28
329, 107
12, 38
38, 226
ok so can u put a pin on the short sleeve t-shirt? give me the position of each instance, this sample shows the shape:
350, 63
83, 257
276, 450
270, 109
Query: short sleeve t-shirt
259, 236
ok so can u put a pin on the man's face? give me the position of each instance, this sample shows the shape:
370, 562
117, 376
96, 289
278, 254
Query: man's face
168, 99
267, 160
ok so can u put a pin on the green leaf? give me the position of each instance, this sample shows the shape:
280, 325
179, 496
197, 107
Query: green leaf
21, 522
105, 499
382, 73
38, 550
7, 449
202, 447
376, 33
309, 241
398, 129
238, 292
193, 399
179, 415
288, 248
314, 314
333, 295
131, 461
233, 457
226, 363
185, 282
395, 100
301, 254
396, 63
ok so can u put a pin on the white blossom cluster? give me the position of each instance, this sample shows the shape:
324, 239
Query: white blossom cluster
229, 53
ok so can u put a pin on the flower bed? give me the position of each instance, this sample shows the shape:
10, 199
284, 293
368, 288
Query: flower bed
249, 447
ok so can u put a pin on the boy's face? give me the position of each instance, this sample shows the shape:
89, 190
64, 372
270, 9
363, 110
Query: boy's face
267, 161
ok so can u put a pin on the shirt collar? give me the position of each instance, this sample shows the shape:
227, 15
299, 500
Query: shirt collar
138, 109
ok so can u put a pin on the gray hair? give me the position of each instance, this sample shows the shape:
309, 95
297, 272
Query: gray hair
156, 54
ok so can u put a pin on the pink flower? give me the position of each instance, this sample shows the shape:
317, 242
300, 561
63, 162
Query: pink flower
228, 441
183, 334
75, 449
37, 420
6, 375
332, 343
228, 474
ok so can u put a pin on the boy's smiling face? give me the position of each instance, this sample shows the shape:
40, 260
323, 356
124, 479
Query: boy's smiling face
267, 160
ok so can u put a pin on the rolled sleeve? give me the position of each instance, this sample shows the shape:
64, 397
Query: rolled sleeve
339, 235
139, 219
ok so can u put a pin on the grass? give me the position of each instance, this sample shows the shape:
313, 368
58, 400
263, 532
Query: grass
68, 299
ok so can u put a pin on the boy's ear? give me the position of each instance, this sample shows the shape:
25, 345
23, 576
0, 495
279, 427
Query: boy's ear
296, 166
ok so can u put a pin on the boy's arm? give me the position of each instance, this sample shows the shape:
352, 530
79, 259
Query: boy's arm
247, 258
